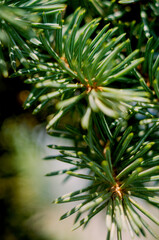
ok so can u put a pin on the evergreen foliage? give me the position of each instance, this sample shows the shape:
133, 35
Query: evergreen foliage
94, 71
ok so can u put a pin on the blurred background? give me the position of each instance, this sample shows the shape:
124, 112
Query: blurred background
26, 194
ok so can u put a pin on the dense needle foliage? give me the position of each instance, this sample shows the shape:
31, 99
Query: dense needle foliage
93, 67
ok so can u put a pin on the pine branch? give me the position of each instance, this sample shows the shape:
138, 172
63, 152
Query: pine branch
80, 84
113, 186
98, 70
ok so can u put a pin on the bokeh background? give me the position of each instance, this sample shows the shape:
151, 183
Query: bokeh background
26, 194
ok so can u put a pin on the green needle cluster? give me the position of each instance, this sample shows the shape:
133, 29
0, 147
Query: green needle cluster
117, 171
87, 70
19, 21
